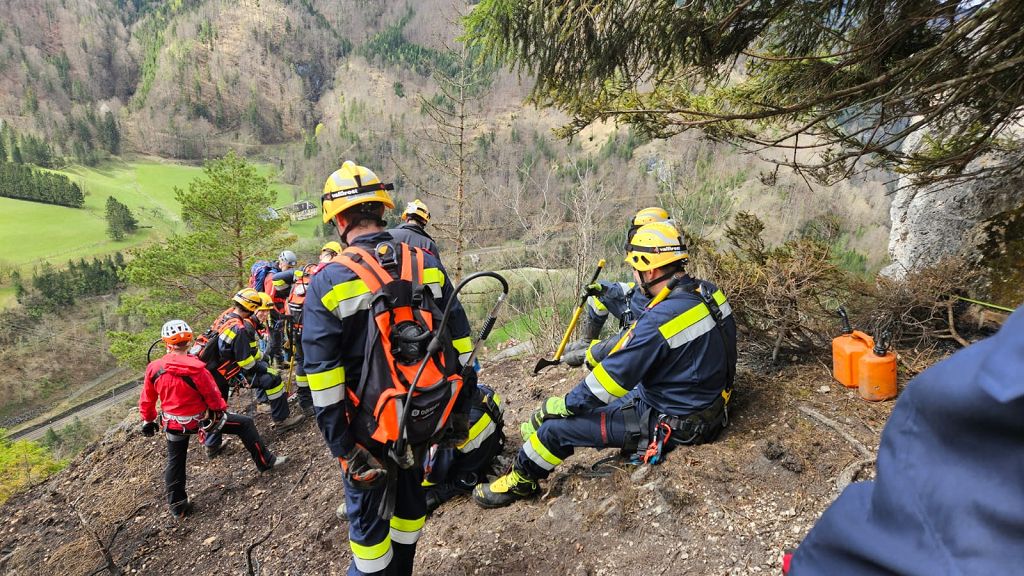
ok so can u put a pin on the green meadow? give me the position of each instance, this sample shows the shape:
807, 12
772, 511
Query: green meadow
33, 233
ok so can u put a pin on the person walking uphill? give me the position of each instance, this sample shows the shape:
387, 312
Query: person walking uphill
190, 404
360, 320
667, 385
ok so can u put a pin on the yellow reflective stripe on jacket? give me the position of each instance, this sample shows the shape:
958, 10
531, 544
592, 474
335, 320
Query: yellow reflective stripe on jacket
347, 298
325, 380
540, 455
481, 430
371, 558
276, 391
464, 346
406, 531
694, 323
246, 363
601, 384
327, 388
279, 283
434, 278
228, 335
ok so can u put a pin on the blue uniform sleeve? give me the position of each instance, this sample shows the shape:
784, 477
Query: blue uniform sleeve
620, 372
282, 281
322, 341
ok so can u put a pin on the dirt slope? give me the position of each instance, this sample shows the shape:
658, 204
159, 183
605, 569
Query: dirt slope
725, 508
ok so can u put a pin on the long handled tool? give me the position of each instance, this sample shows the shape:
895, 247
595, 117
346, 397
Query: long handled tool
290, 382
543, 362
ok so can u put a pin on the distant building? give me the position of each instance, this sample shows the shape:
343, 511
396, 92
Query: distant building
303, 210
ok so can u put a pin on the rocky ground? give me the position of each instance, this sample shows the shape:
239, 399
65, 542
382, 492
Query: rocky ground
731, 507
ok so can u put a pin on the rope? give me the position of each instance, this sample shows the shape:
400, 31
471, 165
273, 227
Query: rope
986, 304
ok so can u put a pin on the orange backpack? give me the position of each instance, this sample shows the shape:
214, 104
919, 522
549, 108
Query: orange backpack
297, 296
207, 350
404, 318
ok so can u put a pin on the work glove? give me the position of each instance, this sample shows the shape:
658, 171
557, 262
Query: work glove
552, 408
595, 289
149, 429
298, 274
362, 469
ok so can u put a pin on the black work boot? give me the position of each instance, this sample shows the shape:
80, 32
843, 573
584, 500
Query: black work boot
505, 490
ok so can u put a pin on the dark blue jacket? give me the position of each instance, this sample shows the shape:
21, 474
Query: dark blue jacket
949, 493
335, 326
676, 359
414, 235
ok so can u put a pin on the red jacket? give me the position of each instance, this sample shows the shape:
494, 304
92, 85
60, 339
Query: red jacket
176, 396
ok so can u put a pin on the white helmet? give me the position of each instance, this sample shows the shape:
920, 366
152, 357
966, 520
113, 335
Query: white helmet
176, 332
288, 257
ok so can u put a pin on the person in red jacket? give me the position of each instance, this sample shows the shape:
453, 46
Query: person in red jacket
190, 404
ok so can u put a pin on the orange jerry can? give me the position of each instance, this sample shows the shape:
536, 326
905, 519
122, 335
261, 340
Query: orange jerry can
847, 351
876, 375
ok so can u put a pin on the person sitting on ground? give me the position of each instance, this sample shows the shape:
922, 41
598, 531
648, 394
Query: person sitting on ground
190, 404
621, 300
668, 383
454, 470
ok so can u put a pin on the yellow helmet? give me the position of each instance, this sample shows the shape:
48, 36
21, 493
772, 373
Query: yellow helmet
248, 299
266, 302
655, 245
417, 208
350, 186
648, 215
332, 246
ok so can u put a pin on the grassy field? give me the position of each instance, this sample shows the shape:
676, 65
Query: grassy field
33, 233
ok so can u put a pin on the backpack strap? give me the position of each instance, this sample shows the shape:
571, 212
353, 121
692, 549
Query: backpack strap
188, 379
366, 266
369, 270
716, 314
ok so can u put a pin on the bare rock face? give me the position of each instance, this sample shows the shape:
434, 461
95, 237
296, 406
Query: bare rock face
934, 222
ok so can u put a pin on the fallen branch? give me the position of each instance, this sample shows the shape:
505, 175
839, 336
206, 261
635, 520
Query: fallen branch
252, 565
121, 523
952, 325
835, 426
306, 471
108, 558
850, 472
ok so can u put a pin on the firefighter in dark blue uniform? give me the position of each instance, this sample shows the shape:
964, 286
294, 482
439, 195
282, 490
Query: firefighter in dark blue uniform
620, 300
336, 321
667, 384
291, 285
948, 497
413, 231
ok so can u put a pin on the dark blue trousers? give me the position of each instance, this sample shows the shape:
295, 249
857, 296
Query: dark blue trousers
379, 546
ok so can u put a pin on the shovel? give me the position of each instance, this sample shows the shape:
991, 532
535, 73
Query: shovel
543, 362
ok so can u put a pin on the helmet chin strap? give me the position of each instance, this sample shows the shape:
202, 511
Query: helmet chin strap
645, 287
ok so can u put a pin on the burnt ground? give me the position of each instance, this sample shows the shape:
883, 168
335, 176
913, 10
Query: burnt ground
726, 508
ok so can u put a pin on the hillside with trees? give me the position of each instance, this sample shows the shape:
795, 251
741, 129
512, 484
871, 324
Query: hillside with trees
801, 149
